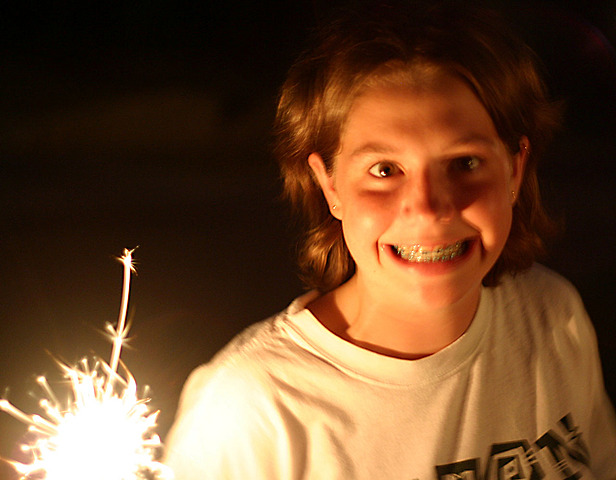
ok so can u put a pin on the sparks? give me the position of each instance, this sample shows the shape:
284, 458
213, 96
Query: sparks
104, 431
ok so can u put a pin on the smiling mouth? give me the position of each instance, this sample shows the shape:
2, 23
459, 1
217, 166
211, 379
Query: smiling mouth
440, 253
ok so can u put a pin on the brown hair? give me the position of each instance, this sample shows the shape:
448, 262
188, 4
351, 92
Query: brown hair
470, 42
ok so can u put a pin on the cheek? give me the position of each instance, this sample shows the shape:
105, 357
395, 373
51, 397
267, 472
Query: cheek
365, 218
489, 210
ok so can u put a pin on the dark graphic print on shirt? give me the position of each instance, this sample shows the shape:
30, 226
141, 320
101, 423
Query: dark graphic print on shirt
559, 453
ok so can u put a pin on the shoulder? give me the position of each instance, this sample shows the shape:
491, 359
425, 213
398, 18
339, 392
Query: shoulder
541, 292
539, 281
543, 308
545, 311
240, 365
227, 410
216, 393
246, 366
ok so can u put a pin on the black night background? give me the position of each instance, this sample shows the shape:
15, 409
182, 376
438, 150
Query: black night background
148, 123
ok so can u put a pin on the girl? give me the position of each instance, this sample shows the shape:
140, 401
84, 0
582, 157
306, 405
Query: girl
430, 345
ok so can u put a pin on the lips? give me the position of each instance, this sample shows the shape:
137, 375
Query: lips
424, 254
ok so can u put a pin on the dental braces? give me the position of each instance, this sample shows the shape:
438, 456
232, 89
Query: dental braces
418, 253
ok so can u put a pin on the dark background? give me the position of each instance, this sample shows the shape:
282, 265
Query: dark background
148, 123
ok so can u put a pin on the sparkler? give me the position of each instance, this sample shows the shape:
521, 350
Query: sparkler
105, 431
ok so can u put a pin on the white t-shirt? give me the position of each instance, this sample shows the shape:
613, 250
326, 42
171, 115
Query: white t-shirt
519, 393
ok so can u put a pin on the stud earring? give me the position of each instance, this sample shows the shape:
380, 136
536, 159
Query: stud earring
334, 207
513, 195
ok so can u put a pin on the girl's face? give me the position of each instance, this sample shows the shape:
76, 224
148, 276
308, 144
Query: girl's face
423, 186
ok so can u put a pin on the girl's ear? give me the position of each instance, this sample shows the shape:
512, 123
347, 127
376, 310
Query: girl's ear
326, 181
517, 167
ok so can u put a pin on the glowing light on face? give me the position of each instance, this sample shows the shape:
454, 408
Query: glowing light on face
104, 431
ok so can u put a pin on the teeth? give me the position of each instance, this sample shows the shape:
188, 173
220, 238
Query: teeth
440, 253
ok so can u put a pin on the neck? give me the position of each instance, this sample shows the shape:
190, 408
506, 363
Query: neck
403, 329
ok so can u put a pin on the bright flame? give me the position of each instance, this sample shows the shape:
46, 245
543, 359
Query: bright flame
105, 431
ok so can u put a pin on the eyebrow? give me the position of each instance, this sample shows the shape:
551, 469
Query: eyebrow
373, 147
475, 138
382, 148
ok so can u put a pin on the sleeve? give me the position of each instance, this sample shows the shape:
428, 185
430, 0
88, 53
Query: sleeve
601, 435
603, 432
227, 427
602, 421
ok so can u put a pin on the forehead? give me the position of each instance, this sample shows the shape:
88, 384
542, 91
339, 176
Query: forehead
441, 104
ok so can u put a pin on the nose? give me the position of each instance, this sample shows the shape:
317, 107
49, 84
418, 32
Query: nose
428, 197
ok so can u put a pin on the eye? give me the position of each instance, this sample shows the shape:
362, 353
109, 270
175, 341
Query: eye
469, 163
383, 169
